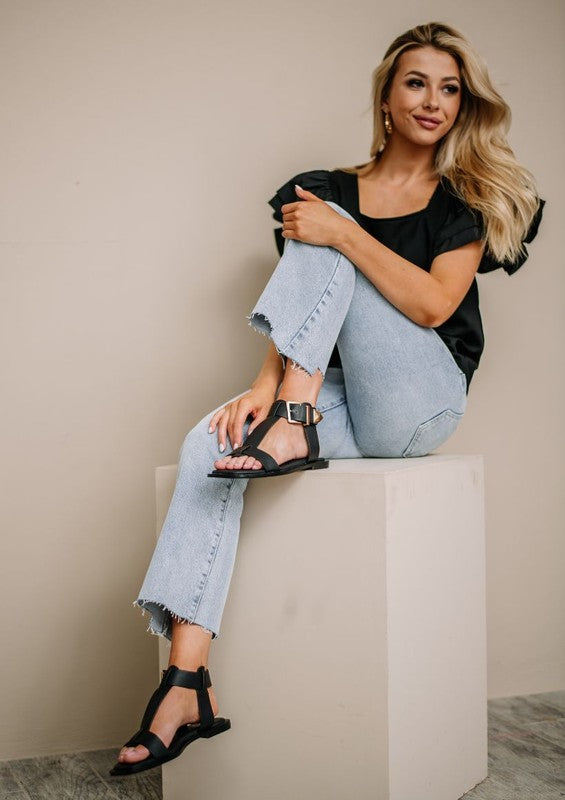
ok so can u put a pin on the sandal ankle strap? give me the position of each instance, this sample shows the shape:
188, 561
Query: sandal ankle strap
173, 676
293, 411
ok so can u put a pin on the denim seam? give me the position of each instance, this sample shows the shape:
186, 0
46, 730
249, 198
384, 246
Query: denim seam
321, 302
430, 423
330, 408
214, 549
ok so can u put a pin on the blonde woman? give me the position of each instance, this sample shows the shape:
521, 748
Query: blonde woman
375, 333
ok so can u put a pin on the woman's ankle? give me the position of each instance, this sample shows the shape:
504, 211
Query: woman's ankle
299, 386
190, 646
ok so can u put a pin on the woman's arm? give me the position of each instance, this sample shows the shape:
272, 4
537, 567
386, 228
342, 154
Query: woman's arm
427, 298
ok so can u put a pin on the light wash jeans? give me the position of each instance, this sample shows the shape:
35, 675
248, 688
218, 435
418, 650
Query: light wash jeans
399, 393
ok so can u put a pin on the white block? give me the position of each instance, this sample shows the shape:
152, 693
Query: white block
352, 655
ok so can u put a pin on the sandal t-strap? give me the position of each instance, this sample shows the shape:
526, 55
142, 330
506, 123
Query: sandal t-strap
302, 413
200, 681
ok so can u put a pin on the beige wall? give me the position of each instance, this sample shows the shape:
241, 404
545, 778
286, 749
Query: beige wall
139, 145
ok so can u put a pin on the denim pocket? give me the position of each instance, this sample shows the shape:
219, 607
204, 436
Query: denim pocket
433, 433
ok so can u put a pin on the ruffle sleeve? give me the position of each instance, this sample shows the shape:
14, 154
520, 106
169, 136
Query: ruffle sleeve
316, 181
488, 264
463, 226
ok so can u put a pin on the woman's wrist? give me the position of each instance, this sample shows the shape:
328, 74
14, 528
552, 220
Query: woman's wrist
345, 234
271, 373
265, 384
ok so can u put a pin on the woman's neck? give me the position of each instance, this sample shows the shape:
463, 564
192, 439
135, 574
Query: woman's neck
402, 162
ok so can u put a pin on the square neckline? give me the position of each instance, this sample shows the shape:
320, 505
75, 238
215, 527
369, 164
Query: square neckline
355, 176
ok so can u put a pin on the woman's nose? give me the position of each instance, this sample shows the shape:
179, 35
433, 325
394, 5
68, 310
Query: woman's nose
431, 100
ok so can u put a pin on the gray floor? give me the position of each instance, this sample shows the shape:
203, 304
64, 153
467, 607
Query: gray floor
526, 744
526, 762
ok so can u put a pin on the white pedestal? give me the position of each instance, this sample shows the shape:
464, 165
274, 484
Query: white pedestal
352, 655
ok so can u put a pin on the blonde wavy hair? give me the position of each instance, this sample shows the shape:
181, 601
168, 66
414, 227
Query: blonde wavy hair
474, 155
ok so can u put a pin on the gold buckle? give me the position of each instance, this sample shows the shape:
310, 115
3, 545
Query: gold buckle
288, 403
312, 414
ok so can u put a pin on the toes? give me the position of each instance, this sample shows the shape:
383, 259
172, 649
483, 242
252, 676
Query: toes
237, 462
224, 463
132, 754
244, 462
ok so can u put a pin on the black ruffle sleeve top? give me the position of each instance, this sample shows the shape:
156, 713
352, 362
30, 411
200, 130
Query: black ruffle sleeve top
445, 224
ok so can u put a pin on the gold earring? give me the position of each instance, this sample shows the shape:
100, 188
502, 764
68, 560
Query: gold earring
388, 124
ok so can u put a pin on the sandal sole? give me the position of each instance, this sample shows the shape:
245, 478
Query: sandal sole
321, 463
123, 768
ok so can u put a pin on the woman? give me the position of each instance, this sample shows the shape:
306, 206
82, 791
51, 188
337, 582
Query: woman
375, 332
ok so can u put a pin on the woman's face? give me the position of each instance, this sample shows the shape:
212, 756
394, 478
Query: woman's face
425, 95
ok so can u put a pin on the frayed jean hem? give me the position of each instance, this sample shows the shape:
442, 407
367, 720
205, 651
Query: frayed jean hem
262, 325
160, 623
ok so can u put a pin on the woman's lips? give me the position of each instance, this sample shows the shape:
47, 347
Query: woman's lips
430, 124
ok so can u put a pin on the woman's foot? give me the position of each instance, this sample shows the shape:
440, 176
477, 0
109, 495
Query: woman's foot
284, 441
179, 707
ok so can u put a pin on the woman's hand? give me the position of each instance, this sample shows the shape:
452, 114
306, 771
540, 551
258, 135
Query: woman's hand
314, 222
231, 418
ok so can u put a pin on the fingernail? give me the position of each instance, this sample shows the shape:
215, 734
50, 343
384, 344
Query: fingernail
222, 448
236, 445
210, 429
296, 186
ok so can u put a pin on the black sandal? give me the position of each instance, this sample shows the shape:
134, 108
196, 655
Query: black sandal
207, 727
301, 413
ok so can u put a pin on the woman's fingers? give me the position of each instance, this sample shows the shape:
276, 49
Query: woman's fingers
237, 420
225, 422
259, 417
222, 431
215, 419
229, 421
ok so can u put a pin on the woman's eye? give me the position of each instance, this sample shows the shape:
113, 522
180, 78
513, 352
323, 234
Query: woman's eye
416, 83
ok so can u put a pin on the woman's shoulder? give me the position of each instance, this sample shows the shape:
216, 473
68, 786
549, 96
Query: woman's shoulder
318, 181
